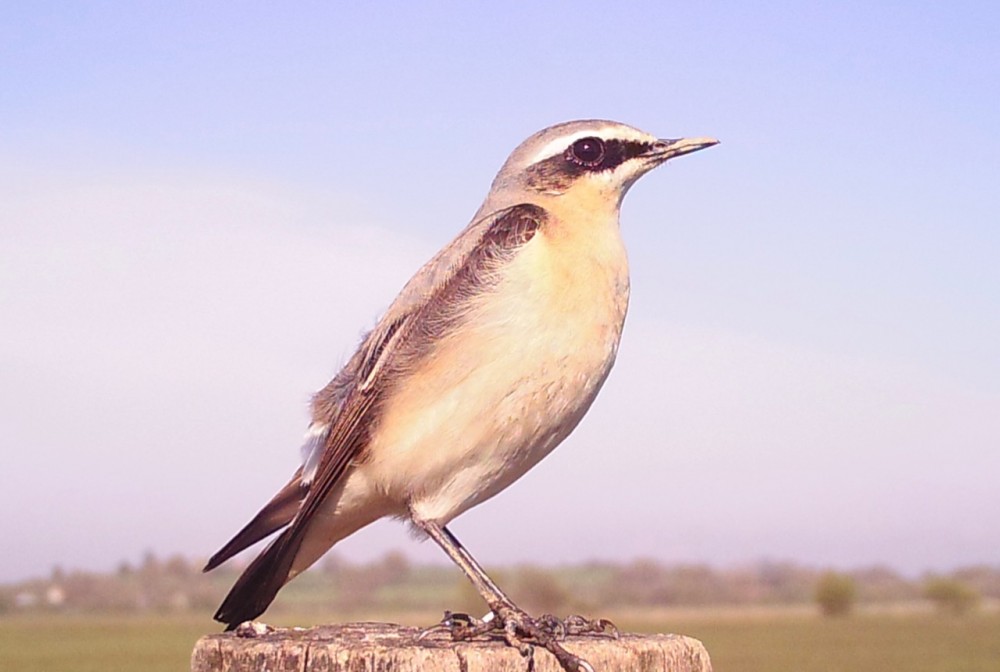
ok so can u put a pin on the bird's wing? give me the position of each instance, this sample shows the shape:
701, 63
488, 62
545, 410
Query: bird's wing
410, 326
433, 303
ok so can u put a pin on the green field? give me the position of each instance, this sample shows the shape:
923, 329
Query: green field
743, 641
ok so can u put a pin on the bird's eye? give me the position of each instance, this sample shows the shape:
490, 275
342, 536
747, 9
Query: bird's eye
587, 151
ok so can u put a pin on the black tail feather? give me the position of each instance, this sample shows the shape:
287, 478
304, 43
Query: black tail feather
260, 582
276, 514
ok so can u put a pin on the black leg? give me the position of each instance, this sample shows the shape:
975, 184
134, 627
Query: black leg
517, 625
489, 590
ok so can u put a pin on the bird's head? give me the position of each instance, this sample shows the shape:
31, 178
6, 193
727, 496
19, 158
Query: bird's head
592, 159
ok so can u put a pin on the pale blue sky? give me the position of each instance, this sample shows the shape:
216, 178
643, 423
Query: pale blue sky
201, 209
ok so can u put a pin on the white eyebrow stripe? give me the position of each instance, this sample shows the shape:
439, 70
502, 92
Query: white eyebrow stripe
558, 145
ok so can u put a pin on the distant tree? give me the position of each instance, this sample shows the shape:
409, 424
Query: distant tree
540, 591
150, 566
178, 566
394, 567
984, 579
950, 595
640, 582
835, 594
785, 582
690, 584
882, 584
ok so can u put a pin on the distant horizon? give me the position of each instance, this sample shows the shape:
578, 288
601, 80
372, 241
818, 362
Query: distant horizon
240, 561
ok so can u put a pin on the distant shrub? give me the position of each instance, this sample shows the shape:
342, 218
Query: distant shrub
541, 591
950, 595
836, 594
394, 568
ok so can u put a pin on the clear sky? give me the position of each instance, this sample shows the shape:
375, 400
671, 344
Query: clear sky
202, 206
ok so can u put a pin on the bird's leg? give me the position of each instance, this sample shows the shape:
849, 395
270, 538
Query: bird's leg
516, 624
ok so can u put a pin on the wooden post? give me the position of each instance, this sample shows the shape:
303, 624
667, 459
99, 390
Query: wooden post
385, 647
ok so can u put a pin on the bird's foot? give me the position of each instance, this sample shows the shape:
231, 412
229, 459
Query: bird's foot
523, 632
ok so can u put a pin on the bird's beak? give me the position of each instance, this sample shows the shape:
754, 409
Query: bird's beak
662, 150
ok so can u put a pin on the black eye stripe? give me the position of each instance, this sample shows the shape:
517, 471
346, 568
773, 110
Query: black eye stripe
559, 171
585, 154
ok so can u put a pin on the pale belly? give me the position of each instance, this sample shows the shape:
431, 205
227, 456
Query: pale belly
496, 398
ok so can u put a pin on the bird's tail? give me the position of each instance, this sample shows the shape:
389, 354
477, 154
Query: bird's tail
276, 514
260, 582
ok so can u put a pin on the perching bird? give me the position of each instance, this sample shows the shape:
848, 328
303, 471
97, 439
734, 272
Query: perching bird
484, 363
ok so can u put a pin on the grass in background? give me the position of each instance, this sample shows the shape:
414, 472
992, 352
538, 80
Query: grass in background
789, 642
98, 643
780, 640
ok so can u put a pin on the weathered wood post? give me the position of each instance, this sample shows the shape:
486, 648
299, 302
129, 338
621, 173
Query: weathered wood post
385, 647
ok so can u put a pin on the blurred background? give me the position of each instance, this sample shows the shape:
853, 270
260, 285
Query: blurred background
203, 207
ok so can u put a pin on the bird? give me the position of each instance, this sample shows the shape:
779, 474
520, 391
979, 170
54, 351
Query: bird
486, 361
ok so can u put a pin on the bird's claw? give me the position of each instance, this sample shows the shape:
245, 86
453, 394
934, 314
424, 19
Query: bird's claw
522, 632
578, 626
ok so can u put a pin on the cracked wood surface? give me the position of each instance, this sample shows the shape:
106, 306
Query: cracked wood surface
385, 647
